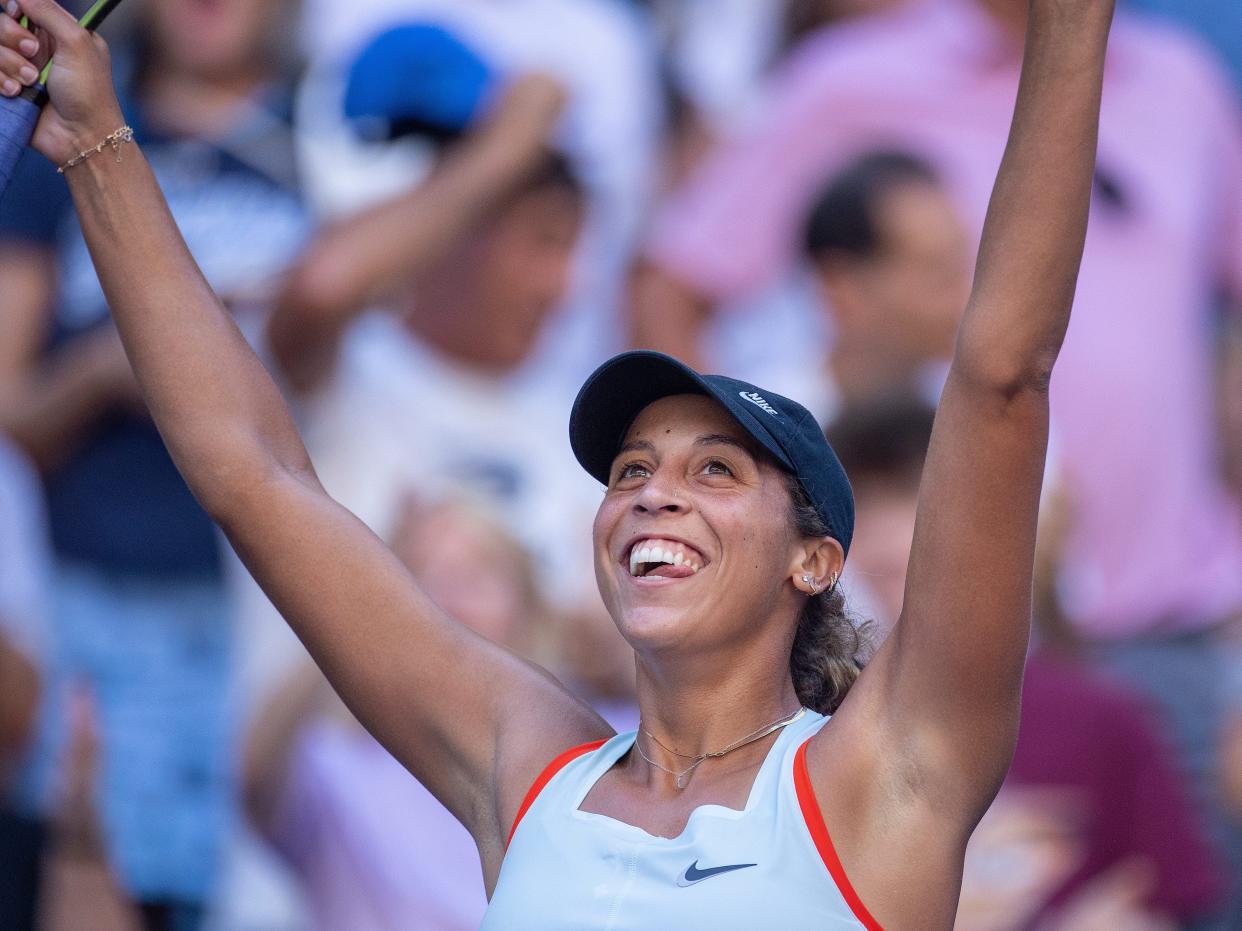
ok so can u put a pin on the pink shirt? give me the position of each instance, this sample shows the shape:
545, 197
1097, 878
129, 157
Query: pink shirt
1157, 544
374, 850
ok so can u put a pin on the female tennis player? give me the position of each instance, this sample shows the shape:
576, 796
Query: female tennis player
717, 547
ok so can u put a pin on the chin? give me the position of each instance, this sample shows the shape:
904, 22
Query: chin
656, 628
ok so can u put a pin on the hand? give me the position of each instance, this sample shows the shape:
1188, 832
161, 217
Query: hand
83, 108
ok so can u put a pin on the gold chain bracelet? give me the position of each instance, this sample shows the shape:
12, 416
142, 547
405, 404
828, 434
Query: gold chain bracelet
115, 140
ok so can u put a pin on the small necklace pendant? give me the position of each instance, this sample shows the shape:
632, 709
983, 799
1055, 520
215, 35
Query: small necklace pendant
683, 780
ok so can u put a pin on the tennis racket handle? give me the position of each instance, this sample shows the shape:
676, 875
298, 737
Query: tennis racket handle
18, 117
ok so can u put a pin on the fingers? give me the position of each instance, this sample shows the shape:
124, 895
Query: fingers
14, 36
18, 48
51, 16
15, 73
24, 51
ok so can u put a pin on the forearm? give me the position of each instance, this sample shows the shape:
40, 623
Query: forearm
1037, 219
48, 414
379, 254
18, 699
219, 412
376, 255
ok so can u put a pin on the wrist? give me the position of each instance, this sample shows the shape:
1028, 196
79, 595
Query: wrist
113, 140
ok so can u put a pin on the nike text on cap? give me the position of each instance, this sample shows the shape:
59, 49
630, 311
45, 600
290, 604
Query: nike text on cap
619, 389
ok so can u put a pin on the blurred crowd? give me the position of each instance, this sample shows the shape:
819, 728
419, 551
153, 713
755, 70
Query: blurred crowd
433, 218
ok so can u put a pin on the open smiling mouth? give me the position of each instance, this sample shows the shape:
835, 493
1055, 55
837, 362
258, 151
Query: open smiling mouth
657, 558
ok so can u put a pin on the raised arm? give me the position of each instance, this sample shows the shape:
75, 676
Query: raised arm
940, 700
377, 254
470, 720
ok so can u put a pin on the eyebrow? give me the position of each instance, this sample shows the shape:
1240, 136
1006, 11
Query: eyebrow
722, 439
710, 439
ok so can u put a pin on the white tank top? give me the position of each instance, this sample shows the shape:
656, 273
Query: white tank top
770, 865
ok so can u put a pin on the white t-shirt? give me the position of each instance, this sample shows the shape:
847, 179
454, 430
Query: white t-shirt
397, 418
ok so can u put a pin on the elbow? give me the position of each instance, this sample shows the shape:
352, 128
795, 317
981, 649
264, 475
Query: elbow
232, 488
1003, 372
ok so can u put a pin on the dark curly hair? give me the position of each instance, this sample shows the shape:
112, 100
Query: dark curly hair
829, 646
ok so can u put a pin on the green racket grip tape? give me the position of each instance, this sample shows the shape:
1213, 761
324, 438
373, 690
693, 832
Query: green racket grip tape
91, 20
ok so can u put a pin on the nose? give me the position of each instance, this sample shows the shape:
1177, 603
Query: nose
661, 494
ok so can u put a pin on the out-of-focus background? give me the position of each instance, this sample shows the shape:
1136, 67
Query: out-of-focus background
434, 218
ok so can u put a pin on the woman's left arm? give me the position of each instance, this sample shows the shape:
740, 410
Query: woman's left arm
942, 694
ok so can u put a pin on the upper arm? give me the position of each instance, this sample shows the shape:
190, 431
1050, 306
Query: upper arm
470, 720
952, 669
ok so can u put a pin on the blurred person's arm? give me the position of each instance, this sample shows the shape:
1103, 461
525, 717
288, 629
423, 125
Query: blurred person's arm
24, 634
272, 741
473, 722
1231, 765
378, 254
48, 403
934, 716
19, 700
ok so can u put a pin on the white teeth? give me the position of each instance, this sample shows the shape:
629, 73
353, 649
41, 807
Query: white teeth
645, 553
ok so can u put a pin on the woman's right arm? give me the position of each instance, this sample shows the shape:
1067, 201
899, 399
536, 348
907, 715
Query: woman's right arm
473, 722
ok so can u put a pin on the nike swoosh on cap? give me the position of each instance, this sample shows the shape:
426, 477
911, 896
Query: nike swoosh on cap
694, 875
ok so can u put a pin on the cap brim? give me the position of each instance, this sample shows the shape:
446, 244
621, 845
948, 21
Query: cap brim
621, 388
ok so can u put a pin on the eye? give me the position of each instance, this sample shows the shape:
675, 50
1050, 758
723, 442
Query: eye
716, 467
633, 470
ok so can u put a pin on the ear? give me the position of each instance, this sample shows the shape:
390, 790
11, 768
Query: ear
819, 567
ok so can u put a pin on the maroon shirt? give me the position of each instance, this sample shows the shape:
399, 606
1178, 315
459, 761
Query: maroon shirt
1084, 733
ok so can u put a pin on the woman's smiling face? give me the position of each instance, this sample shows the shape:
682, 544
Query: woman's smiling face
694, 543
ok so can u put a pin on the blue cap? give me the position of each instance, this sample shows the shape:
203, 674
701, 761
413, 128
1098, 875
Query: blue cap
622, 387
417, 78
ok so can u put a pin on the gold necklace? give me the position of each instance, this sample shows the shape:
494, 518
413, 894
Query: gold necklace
681, 778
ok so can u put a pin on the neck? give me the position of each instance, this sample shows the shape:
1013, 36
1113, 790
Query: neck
711, 707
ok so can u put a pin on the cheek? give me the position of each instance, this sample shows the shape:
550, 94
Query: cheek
606, 517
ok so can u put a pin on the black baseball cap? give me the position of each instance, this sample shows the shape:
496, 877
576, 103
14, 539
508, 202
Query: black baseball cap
622, 387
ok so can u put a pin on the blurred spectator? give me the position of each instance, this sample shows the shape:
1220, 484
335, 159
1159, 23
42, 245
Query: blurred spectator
372, 848
882, 441
1154, 560
604, 54
140, 611
890, 256
1094, 815
24, 648
474, 261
